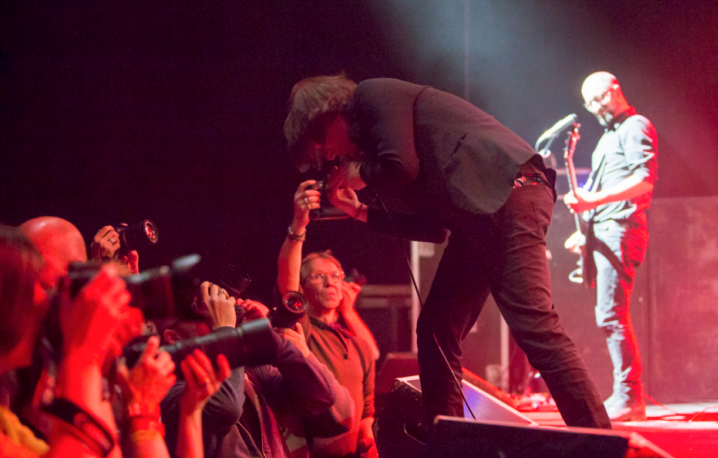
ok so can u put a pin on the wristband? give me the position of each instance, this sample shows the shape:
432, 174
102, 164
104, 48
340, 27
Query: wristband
93, 433
145, 435
296, 237
135, 409
145, 427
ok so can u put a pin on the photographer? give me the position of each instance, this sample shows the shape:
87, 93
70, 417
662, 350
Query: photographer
143, 386
243, 418
87, 323
335, 333
105, 246
59, 242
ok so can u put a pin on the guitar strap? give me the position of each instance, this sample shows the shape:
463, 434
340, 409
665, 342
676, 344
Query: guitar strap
589, 264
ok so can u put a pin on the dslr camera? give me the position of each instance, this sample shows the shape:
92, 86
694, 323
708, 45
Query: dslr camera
160, 293
136, 236
326, 210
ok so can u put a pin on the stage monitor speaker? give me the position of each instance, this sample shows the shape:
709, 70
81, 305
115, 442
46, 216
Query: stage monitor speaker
454, 437
483, 405
396, 427
497, 433
405, 364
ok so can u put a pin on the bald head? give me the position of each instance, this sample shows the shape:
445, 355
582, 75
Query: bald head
603, 97
597, 83
59, 242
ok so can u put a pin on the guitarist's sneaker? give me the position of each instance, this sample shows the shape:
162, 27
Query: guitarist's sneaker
623, 411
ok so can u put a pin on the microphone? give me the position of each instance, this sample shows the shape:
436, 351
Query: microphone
558, 127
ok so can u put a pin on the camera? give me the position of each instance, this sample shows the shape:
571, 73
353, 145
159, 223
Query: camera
162, 292
251, 344
136, 236
326, 210
288, 310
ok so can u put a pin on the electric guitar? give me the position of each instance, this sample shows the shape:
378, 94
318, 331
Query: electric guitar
585, 272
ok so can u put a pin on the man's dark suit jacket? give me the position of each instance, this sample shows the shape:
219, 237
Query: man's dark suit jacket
441, 155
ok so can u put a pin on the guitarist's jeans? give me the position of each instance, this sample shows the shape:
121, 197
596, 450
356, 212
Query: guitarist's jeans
618, 250
503, 254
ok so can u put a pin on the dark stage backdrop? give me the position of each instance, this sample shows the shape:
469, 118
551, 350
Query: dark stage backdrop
120, 111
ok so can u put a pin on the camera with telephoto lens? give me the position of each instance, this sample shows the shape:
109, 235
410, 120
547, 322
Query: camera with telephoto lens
136, 236
288, 310
163, 292
326, 210
253, 343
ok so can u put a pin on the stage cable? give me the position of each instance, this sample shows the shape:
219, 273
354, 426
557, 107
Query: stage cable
418, 294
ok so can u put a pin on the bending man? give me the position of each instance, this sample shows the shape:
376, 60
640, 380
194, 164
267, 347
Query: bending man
456, 168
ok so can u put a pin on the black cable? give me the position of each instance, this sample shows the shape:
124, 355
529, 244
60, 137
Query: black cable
421, 302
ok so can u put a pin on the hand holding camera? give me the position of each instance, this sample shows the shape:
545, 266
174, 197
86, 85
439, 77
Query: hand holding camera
219, 304
307, 197
341, 184
105, 243
89, 321
252, 310
296, 336
202, 381
147, 383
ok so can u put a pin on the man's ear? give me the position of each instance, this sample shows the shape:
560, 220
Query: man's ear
171, 336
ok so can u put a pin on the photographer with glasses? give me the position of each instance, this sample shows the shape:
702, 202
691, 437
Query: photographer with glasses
336, 335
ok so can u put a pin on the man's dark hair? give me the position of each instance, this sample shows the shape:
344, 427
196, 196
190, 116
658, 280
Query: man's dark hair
20, 265
313, 104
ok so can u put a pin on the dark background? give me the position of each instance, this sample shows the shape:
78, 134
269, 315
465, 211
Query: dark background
121, 111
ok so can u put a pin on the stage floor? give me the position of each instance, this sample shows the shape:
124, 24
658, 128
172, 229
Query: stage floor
683, 430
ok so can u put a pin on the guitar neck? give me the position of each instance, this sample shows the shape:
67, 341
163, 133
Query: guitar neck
570, 168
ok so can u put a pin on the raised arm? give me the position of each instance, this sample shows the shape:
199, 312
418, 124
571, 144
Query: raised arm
290, 255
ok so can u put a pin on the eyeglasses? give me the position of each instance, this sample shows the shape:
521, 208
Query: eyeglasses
597, 100
322, 277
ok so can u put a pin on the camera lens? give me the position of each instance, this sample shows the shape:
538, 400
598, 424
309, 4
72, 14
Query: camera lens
294, 304
138, 236
150, 230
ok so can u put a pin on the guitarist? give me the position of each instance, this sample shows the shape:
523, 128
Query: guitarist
614, 201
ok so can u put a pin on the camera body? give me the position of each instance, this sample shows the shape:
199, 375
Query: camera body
326, 210
136, 236
163, 292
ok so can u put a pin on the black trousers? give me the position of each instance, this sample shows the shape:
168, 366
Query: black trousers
503, 254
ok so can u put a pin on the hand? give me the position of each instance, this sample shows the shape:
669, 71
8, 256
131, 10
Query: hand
131, 327
346, 175
575, 243
219, 304
345, 199
202, 381
149, 381
89, 322
132, 262
296, 336
350, 291
105, 243
304, 200
255, 310
579, 201
366, 447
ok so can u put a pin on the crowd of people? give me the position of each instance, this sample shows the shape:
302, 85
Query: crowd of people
74, 395
67, 390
